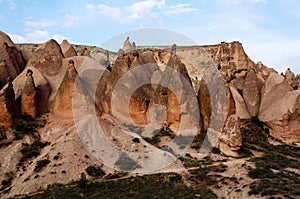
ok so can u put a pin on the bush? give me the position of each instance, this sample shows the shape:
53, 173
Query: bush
26, 124
7, 182
95, 171
33, 150
41, 164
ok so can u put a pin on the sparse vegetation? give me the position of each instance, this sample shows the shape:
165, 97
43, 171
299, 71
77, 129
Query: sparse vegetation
136, 140
2, 133
41, 164
95, 171
202, 175
165, 131
167, 185
7, 182
27, 125
32, 150
271, 170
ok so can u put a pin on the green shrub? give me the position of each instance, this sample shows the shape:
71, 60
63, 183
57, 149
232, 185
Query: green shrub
95, 171
33, 150
41, 164
7, 182
168, 185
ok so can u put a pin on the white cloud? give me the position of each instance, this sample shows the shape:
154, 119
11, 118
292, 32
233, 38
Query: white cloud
139, 10
179, 9
40, 23
90, 6
58, 38
17, 38
237, 2
257, 1
71, 20
36, 36
11, 3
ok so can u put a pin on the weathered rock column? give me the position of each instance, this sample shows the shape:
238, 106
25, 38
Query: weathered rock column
28, 98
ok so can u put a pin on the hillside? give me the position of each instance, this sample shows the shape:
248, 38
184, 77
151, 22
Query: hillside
166, 121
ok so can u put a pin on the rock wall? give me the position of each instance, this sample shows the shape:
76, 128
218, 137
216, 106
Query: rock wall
12, 62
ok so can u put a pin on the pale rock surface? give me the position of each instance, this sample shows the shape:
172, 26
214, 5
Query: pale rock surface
67, 49
47, 58
231, 137
11, 59
279, 108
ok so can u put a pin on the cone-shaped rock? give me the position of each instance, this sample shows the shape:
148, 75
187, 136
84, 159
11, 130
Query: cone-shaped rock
8, 108
29, 96
47, 58
67, 49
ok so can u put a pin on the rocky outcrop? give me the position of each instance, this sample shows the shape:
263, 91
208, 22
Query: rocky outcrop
229, 56
29, 97
231, 137
279, 108
62, 105
8, 108
67, 49
47, 58
127, 46
164, 91
251, 93
11, 59
85, 52
42, 88
76, 92
103, 59
204, 104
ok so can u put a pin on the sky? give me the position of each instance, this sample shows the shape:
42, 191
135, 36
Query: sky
268, 29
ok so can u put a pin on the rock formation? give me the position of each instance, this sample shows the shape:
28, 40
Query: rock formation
279, 108
29, 97
231, 137
47, 58
85, 52
42, 88
11, 59
8, 107
62, 105
127, 46
67, 49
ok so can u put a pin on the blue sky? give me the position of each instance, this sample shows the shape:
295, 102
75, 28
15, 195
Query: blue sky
268, 29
